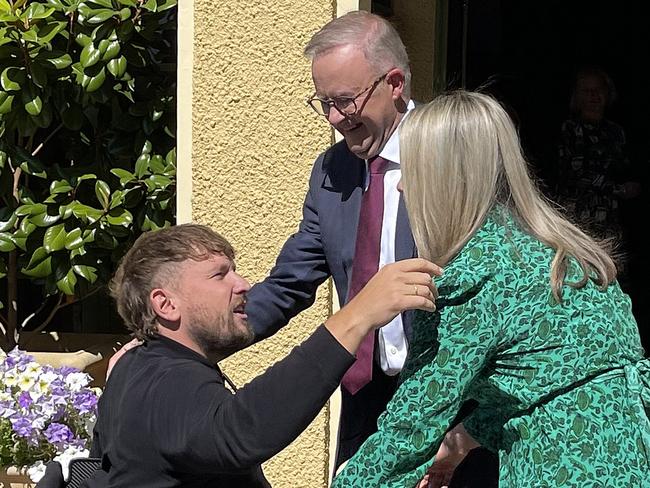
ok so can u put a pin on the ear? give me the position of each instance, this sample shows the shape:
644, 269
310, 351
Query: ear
164, 305
395, 78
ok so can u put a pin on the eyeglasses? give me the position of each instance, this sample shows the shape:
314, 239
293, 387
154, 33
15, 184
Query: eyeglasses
346, 106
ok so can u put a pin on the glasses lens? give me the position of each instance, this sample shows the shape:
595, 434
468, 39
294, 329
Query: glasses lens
346, 106
320, 107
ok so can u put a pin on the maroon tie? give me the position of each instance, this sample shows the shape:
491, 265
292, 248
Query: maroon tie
365, 265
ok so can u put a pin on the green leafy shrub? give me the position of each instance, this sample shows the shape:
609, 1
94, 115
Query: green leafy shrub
87, 148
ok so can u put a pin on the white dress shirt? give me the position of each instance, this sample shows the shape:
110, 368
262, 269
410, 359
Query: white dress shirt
391, 338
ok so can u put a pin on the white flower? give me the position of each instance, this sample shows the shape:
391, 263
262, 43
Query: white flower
46, 378
77, 381
10, 378
36, 471
66, 456
26, 381
33, 368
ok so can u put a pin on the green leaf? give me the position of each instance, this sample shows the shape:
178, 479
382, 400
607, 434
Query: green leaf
157, 164
96, 81
87, 176
65, 211
31, 209
82, 39
44, 219
102, 15
90, 55
6, 242
60, 186
119, 217
146, 147
37, 11
170, 158
103, 3
117, 199
142, 165
86, 212
33, 106
67, 283
160, 181
73, 240
26, 227
50, 30
61, 62
54, 238
56, 3
89, 273
33, 167
125, 14
102, 192
40, 264
166, 4
117, 67
8, 79
8, 219
124, 175
5, 105
111, 51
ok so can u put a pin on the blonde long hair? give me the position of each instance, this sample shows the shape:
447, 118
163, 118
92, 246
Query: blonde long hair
460, 156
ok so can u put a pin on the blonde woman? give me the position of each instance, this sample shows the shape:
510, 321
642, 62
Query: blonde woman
530, 322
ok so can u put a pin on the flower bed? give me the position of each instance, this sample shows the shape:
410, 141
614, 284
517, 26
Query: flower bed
45, 413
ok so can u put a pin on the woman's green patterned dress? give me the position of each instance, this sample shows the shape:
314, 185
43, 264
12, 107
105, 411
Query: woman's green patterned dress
562, 388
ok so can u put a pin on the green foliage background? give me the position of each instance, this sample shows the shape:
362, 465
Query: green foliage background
87, 147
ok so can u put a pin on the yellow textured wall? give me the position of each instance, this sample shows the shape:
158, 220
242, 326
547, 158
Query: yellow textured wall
253, 144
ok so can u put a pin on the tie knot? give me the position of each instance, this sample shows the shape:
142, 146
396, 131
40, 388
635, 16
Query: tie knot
377, 165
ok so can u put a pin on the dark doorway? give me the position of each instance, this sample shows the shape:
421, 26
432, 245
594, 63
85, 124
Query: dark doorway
528, 52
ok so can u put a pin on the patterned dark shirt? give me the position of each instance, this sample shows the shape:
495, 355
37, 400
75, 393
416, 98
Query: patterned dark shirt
591, 173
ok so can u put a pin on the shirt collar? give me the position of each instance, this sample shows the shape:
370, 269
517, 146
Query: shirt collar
391, 148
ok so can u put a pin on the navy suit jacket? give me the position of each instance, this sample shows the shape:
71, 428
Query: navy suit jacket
323, 246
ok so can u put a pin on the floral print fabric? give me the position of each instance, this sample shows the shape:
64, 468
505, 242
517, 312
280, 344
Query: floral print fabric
562, 388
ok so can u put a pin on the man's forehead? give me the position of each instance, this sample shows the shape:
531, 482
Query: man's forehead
341, 70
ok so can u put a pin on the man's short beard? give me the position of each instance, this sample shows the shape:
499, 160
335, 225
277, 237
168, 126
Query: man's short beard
220, 337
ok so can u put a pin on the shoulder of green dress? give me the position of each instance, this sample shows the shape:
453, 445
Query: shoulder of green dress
499, 247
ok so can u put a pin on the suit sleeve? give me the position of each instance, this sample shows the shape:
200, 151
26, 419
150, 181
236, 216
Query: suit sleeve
238, 431
429, 398
299, 270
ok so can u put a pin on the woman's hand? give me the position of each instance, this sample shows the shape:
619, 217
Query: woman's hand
453, 449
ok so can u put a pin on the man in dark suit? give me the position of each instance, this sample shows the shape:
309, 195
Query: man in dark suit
166, 417
361, 75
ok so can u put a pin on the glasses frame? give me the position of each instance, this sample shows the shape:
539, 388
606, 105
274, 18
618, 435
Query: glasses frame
329, 103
